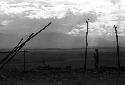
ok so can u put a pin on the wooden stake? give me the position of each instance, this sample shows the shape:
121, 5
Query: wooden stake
86, 46
117, 46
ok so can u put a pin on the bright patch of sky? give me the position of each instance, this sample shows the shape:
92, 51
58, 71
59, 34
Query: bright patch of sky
103, 14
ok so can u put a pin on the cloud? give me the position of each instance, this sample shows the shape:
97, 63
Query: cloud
5, 22
50, 8
67, 15
74, 32
115, 1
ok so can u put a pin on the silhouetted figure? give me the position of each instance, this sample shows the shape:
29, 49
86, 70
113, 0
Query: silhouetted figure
96, 60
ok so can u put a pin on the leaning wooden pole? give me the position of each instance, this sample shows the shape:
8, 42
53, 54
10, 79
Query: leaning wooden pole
11, 52
118, 60
86, 46
18, 48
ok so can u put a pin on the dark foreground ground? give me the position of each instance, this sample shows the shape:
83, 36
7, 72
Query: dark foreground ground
67, 68
54, 77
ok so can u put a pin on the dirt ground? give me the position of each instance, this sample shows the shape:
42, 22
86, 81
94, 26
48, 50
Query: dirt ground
12, 73
59, 77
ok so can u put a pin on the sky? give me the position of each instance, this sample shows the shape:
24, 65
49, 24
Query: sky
22, 17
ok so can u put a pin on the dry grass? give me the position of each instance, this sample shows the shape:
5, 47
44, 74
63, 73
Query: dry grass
12, 73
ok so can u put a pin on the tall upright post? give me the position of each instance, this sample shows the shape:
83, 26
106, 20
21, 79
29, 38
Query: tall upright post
86, 46
117, 46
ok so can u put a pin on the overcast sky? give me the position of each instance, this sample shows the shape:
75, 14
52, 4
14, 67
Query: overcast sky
67, 16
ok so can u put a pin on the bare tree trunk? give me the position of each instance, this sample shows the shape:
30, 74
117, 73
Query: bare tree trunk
117, 47
86, 47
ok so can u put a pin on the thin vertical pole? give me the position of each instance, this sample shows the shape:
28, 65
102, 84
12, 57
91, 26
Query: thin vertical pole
24, 61
117, 47
86, 46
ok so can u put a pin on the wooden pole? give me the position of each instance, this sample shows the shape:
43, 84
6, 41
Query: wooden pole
117, 47
86, 46
20, 46
11, 52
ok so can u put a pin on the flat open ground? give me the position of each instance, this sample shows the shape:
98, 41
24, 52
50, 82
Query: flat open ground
12, 72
